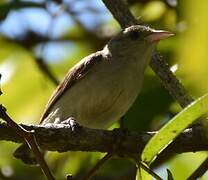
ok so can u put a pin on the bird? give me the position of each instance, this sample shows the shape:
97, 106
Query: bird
99, 89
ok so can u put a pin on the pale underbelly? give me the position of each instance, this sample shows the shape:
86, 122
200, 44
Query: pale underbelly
100, 106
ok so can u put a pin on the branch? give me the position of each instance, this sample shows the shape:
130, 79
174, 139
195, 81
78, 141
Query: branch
124, 17
61, 138
122, 14
46, 70
169, 81
29, 138
97, 166
5, 8
199, 171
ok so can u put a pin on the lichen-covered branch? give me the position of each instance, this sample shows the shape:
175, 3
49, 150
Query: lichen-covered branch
61, 138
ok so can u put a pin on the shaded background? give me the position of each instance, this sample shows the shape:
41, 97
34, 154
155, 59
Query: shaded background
58, 34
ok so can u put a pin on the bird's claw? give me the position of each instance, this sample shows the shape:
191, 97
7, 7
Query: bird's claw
74, 125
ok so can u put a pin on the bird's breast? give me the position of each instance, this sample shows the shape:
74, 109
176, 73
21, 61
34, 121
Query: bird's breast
103, 95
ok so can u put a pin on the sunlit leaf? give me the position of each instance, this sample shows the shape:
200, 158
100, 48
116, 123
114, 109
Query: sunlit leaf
174, 127
142, 175
170, 175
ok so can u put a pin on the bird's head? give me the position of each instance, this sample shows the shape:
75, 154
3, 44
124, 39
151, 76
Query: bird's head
136, 38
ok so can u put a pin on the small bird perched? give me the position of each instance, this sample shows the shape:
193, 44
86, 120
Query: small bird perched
100, 89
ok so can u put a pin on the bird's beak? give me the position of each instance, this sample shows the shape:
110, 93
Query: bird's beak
157, 35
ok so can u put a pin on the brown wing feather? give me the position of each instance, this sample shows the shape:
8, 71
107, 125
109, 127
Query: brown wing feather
74, 74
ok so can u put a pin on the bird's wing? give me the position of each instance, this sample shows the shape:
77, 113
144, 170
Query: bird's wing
74, 74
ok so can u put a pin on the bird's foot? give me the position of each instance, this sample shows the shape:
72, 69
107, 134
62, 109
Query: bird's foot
71, 121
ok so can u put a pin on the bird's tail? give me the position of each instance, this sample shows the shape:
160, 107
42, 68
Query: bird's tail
24, 153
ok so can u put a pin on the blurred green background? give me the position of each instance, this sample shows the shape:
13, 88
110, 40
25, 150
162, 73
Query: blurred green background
60, 33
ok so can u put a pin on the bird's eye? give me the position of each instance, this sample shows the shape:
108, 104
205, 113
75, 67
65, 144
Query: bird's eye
135, 35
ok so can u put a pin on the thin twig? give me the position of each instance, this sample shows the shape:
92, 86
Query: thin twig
199, 171
46, 70
29, 139
139, 163
97, 166
148, 170
43, 66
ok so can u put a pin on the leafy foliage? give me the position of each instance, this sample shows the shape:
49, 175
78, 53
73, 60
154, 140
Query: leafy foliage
61, 37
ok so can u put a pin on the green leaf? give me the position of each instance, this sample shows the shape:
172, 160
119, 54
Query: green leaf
174, 127
143, 175
170, 175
